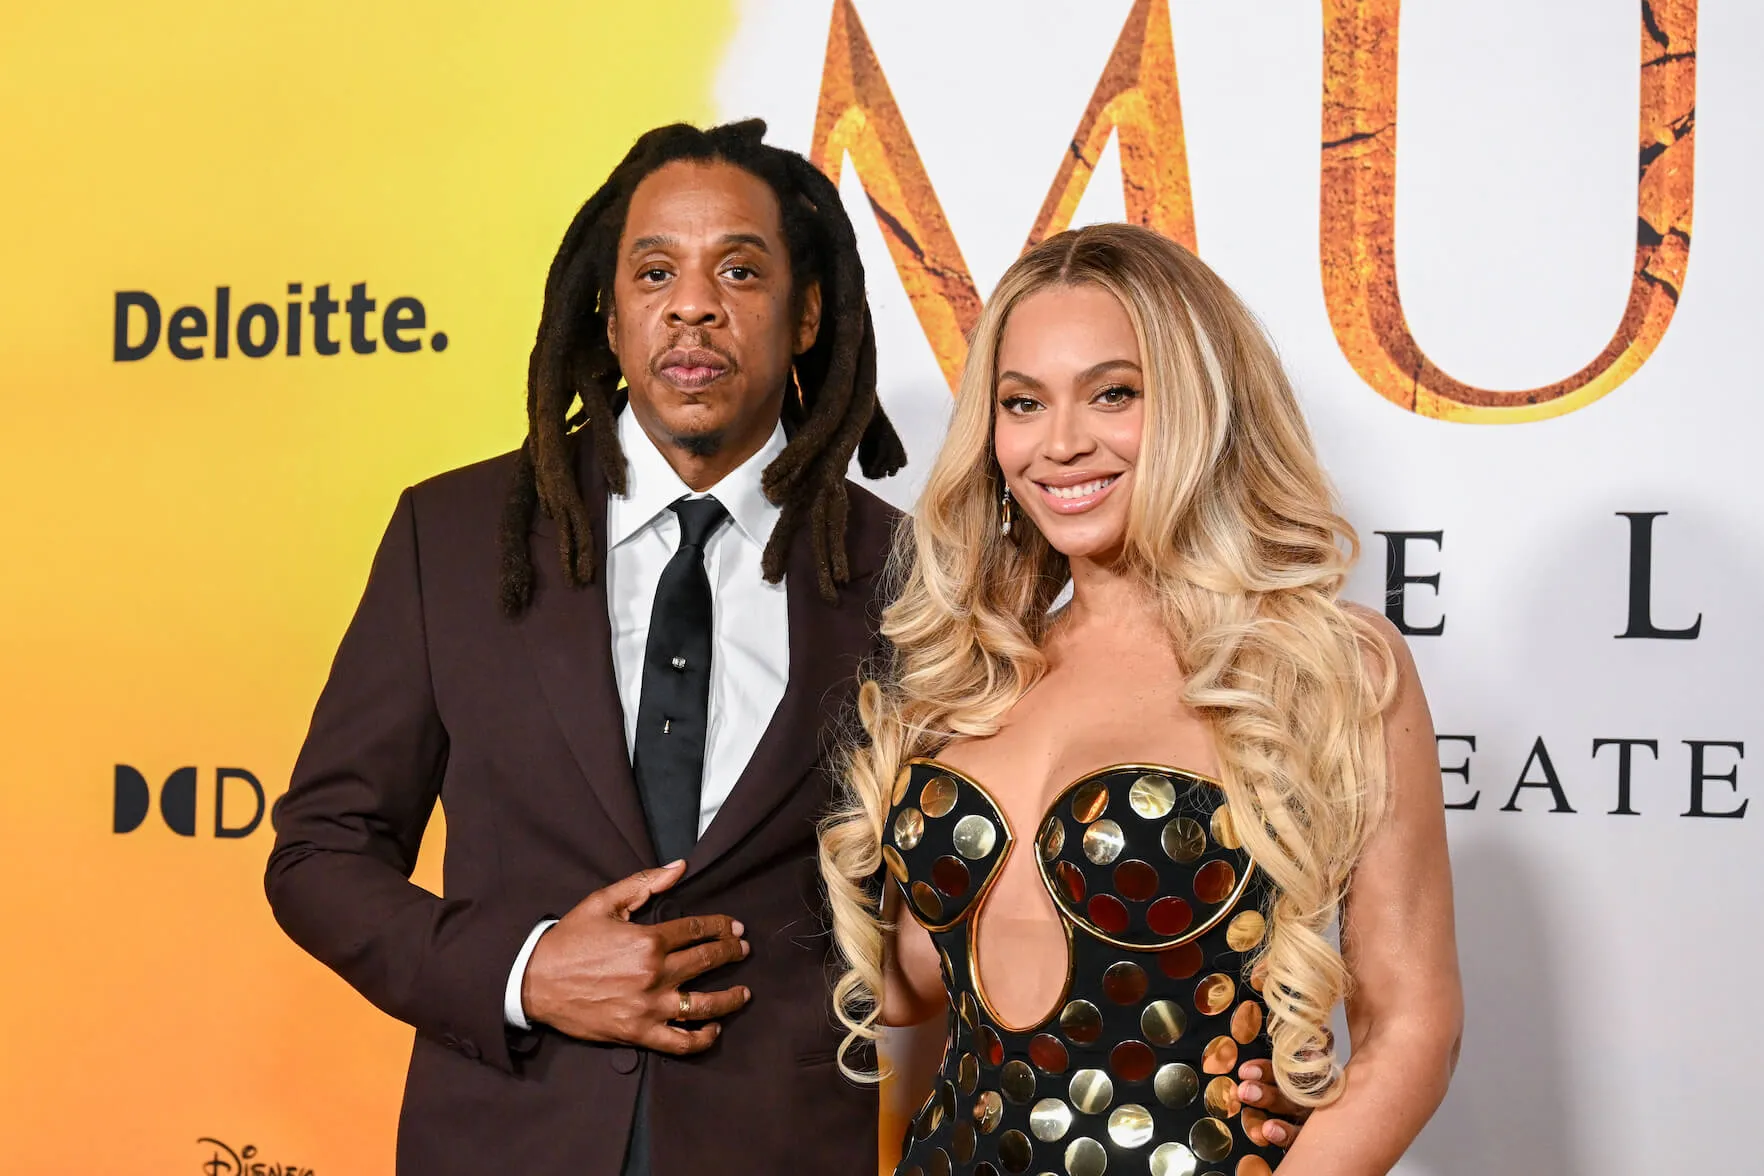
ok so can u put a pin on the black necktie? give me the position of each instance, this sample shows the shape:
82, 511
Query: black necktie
673, 712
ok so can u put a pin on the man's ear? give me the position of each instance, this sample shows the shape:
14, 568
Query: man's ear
612, 330
808, 324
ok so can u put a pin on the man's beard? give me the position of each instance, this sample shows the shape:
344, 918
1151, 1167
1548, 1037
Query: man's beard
707, 444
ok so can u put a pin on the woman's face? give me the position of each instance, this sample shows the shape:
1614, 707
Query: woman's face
1069, 407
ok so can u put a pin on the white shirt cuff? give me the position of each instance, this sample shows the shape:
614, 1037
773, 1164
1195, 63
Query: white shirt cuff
512, 1010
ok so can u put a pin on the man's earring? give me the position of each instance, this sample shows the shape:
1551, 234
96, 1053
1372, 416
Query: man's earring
1007, 513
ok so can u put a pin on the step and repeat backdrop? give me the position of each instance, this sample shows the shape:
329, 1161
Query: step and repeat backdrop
265, 266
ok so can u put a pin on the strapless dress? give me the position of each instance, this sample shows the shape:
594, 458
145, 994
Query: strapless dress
1133, 1071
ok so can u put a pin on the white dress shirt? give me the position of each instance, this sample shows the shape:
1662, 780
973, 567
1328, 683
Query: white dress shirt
750, 620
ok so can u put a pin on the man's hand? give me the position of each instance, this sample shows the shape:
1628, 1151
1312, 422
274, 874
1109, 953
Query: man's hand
1255, 1086
598, 976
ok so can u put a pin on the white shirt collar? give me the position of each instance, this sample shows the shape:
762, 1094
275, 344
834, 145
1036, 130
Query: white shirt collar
651, 485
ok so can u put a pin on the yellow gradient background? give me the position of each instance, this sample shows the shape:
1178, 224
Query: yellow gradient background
184, 541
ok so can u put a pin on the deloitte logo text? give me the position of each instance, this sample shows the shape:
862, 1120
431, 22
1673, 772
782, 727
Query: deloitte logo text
190, 332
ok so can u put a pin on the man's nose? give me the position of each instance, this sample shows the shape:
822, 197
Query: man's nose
695, 301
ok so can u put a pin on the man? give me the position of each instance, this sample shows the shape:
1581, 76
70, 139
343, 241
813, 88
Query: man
647, 672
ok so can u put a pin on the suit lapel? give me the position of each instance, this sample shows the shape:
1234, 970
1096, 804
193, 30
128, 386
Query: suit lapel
827, 641
569, 638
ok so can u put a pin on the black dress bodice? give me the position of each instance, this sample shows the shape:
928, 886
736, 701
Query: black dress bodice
1133, 1074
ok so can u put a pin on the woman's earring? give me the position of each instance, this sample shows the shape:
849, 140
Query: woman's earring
1006, 513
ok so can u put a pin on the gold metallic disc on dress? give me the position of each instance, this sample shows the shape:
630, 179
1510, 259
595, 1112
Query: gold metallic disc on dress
1070, 880
1254, 1166
1254, 1122
1017, 1081
1179, 963
1049, 1120
1220, 1056
1214, 882
902, 778
991, 1048
1081, 1022
1048, 1053
1136, 880
1152, 796
915, 1170
988, 1110
896, 865
1086, 1157
950, 875
1222, 1098
909, 827
1090, 802
1172, 1159
970, 1011
1214, 994
1169, 917
1176, 1085
1103, 842
1210, 1140
946, 1096
1125, 983
1091, 1091
1184, 840
1130, 1125
929, 1118
1163, 1022
1246, 1022
927, 901
1052, 839
1132, 1061
968, 1073
961, 1142
1015, 1152
1224, 831
939, 1163
939, 796
1246, 930
1107, 913
975, 836
984, 1168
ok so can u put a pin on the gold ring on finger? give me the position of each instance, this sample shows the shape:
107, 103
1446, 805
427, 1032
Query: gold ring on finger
685, 1007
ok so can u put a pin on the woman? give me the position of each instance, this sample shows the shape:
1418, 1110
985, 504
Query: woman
1122, 831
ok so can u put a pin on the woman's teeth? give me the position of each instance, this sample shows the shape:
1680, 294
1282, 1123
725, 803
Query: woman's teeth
1082, 490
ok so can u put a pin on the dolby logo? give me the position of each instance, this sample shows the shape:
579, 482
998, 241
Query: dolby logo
133, 801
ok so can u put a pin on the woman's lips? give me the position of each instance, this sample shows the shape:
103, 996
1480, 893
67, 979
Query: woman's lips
1078, 497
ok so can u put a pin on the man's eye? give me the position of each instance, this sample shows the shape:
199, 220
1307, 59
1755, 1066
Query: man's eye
655, 275
739, 272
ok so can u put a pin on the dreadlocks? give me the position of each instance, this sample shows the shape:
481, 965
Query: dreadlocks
830, 413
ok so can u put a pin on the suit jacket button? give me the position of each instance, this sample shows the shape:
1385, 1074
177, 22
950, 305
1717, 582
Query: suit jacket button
624, 1060
450, 1041
470, 1049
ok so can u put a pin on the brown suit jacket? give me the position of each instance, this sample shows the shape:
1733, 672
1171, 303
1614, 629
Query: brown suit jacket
516, 727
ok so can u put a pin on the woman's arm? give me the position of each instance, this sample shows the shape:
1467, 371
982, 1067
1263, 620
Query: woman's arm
1405, 1010
912, 977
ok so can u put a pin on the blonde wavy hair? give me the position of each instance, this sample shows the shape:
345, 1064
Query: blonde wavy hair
1231, 525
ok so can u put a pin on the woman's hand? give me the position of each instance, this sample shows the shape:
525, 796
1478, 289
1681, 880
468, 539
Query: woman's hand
1282, 1120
